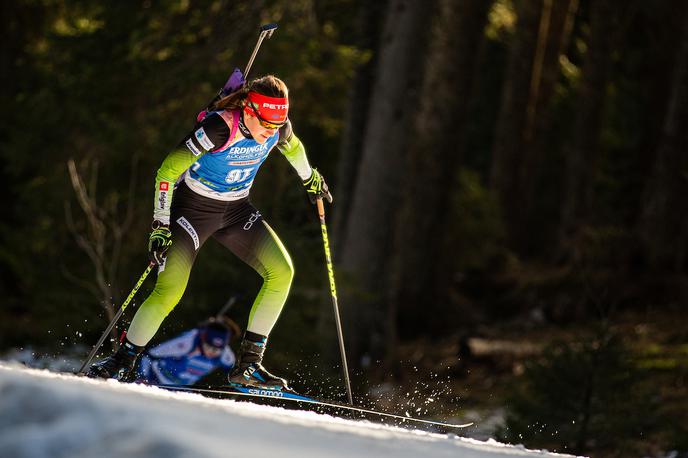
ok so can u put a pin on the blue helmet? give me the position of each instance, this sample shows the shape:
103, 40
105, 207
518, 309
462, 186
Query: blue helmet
215, 334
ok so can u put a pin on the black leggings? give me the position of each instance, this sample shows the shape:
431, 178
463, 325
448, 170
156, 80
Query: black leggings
238, 226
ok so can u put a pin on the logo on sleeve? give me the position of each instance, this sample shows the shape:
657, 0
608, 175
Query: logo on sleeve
163, 188
203, 139
162, 200
192, 147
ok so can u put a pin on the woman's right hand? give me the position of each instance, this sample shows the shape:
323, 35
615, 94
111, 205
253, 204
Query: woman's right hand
159, 242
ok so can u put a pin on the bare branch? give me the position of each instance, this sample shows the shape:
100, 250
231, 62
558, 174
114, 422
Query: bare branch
102, 238
88, 286
82, 241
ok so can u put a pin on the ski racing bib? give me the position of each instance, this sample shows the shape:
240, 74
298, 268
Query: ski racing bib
228, 174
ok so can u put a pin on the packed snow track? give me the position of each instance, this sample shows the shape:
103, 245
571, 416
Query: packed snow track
44, 414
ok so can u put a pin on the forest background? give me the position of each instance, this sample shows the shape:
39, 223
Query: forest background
510, 223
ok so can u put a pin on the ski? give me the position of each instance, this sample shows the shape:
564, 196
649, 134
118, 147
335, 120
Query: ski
299, 398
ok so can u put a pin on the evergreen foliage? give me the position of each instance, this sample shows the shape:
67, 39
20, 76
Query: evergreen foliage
583, 397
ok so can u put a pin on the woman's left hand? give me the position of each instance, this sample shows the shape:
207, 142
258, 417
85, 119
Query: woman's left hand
317, 188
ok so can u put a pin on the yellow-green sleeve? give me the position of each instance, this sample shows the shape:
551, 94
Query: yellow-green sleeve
174, 165
292, 148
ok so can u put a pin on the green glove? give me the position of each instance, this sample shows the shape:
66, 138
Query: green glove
317, 188
159, 242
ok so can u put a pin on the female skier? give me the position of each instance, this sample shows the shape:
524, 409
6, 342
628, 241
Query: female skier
213, 169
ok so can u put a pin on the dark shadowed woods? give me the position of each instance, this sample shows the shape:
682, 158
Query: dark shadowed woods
510, 182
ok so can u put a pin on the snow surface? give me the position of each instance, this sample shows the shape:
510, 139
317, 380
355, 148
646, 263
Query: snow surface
45, 414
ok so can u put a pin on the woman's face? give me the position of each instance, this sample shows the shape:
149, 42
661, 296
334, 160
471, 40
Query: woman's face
259, 132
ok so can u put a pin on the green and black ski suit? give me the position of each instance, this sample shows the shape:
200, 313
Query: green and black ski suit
210, 175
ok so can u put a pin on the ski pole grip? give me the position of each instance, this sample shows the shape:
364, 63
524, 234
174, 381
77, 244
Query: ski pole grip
321, 207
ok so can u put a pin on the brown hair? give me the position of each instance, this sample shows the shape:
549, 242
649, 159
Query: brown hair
268, 85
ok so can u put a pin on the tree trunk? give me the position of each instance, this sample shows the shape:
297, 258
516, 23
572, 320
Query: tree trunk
370, 21
664, 218
381, 174
507, 151
420, 268
554, 34
581, 156
543, 32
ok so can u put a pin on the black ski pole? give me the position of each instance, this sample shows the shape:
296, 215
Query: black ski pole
333, 291
116, 318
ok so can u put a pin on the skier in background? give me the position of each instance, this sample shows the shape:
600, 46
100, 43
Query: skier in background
202, 190
192, 355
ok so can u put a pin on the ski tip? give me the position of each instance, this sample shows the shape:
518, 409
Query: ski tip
464, 425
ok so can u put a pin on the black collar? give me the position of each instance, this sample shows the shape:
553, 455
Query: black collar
242, 127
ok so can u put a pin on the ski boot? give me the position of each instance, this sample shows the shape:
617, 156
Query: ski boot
249, 371
119, 366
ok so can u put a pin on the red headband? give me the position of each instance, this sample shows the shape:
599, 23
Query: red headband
270, 109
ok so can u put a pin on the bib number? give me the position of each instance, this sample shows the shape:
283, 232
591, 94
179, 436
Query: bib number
237, 175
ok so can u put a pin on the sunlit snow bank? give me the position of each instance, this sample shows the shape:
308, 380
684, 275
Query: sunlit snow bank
43, 414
